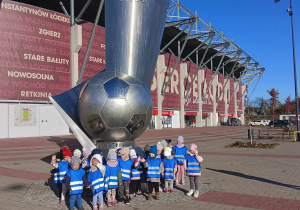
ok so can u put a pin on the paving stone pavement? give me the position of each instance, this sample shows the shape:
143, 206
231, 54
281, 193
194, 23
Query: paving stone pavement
232, 178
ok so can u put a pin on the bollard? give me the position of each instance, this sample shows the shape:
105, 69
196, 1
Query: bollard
252, 133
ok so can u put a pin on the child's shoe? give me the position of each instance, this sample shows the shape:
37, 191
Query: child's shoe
127, 200
109, 204
101, 207
177, 182
196, 194
182, 182
160, 189
171, 190
131, 197
62, 203
150, 196
190, 193
115, 203
157, 196
80, 208
166, 190
95, 207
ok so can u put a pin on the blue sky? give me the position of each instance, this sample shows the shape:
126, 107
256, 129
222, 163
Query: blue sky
263, 30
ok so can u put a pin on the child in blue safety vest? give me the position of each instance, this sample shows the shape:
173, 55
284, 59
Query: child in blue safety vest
96, 180
85, 164
170, 166
111, 178
75, 180
193, 171
180, 152
136, 173
155, 167
125, 164
60, 169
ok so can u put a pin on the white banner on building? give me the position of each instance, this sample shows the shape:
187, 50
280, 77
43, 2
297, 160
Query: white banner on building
25, 115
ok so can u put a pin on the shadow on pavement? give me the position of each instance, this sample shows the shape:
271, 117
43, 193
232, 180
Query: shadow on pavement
245, 176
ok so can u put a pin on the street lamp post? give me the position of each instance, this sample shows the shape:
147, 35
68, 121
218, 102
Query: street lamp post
290, 11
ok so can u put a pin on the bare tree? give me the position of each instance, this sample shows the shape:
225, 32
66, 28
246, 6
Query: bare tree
274, 96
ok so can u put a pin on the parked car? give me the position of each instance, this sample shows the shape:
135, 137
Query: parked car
278, 123
258, 122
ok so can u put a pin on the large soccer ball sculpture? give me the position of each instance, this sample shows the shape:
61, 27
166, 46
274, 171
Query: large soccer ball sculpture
114, 106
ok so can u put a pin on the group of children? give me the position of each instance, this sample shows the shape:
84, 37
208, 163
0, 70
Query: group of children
123, 173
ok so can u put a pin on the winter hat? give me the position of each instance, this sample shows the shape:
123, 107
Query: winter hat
147, 148
159, 146
66, 152
77, 153
125, 150
112, 155
96, 151
164, 143
180, 139
193, 147
98, 157
168, 141
86, 153
168, 151
132, 153
75, 159
153, 150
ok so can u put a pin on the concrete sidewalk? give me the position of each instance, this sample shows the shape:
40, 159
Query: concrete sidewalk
236, 178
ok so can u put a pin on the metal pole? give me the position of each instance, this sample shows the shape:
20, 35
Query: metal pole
290, 11
91, 41
72, 12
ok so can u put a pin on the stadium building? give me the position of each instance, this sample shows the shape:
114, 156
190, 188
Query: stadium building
201, 77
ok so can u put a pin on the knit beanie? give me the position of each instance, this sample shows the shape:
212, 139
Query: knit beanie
75, 159
112, 155
96, 151
77, 153
66, 152
168, 152
125, 153
86, 153
180, 139
147, 148
193, 147
159, 146
164, 143
153, 150
132, 153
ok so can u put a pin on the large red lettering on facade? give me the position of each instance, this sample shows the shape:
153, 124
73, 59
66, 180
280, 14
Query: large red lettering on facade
35, 52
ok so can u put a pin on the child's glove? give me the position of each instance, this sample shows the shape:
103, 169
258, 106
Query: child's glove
99, 165
84, 164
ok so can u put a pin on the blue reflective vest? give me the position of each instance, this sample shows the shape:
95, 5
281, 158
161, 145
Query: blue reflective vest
125, 168
136, 172
76, 182
111, 177
169, 165
96, 181
192, 164
153, 168
180, 153
59, 174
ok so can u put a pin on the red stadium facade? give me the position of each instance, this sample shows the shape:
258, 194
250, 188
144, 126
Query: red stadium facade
35, 64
